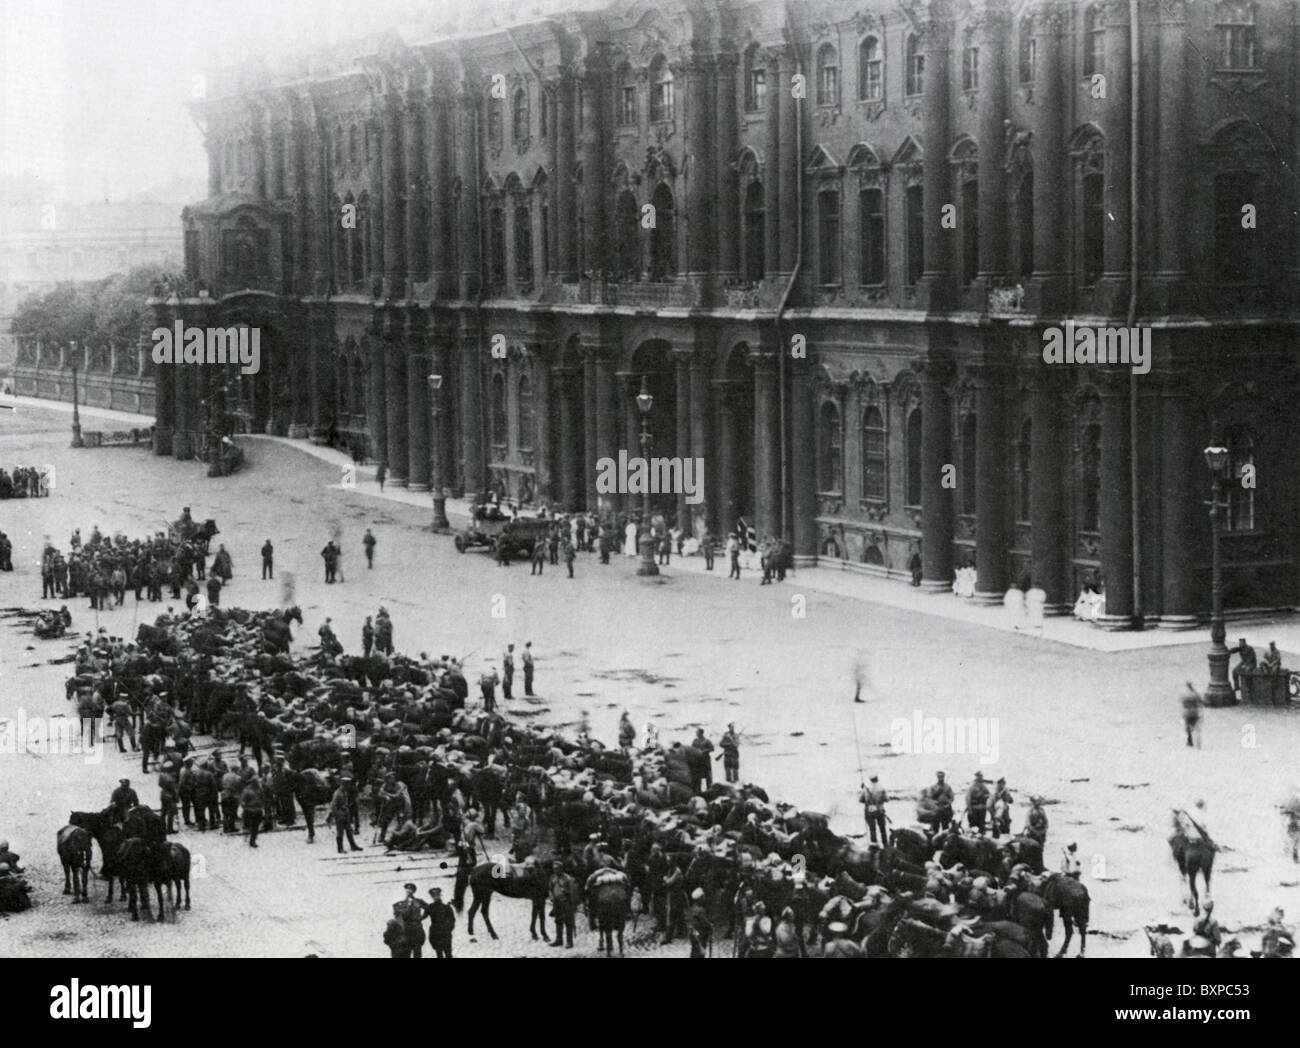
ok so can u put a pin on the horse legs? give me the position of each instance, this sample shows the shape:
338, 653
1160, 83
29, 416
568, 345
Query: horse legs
1083, 937
1068, 921
186, 882
162, 911
67, 886
1191, 885
130, 894
620, 940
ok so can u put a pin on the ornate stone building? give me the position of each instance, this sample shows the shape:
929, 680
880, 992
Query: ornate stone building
829, 236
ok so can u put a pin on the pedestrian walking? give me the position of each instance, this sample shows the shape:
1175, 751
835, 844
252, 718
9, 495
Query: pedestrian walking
369, 542
568, 556
268, 560
706, 545
381, 471
528, 668
1192, 702
733, 551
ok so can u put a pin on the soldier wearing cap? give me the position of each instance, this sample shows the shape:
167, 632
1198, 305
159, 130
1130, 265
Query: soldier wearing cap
1036, 821
395, 934
9, 858
528, 668
564, 904
1071, 865
508, 671
940, 793
873, 800
412, 912
124, 799
342, 810
977, 803
698, 926
730, 745
442, 922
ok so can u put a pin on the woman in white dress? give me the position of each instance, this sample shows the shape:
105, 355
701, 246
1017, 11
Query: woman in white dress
629, 540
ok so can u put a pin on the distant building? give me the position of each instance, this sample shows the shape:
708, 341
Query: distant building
830, 236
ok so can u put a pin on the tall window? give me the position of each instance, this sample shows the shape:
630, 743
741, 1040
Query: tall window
1024, 446
661, 90
754, 227
912, 457
1094, 41
1094, 226
546, 237
1236, 250
832, 450
356, 246
1028, 51
354, 145
627, 234
1234, 30
828, 76
914, 216
520, 115
1241, 500
873, 454
627, 105
828, 236
970, 68
1090, 478
543, 113
523, 222
499, 429
871, 235
526, 415
497, 244
970, 229
966, 481
915, 66
663, 248
755, 80
871, 71
1025, 225
494, 123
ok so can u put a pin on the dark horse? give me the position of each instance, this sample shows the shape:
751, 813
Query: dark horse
1068, 897
514, 882
611, 906
75, 848
1193, 856
276, 633
141, 863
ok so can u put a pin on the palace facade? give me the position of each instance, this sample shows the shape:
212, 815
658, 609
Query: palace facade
829, 238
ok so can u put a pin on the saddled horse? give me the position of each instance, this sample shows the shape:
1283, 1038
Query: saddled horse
276, 632
1193, 855
141, 863
611, 906
75, 851
176, 872
1068, 897
514, 882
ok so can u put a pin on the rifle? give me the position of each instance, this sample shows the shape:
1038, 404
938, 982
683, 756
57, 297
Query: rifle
1200, 829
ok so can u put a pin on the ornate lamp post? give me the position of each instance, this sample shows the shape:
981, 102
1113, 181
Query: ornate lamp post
77, 442
1219, 692
644, 402
437, 480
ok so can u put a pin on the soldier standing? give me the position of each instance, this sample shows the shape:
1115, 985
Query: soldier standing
395, 933
268, 560
1191, 701
528, 668
626, 732
702, 743
342, 808
730, 744
412, 912
941, 794
564, 904
977, 803
488, 685
187, 787
369, 542
442, 922
873, 808
568, 556
706, 546
1036, 821
367, 637
508, 670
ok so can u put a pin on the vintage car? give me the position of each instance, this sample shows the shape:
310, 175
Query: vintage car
492, 530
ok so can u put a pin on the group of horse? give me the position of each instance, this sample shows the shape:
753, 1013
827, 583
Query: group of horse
136, 853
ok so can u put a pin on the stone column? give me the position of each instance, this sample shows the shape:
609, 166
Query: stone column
936, 500
394, 210
439, 198
789, 159
1183, 480
593, 169
1172, 188
543, 443
185, 410
629, 385
322, 221
471, 416
1115, 124
567, 413
299, 279
591, 434
398, 419
992, 34
803, 472
1116, 511
991, 466
727, 207
701, 448
417, 248
728, 456
606, 417
375, 212
681, 366
377, 395
1046, 292
259, 159
316, 342
935, 289
700, 174
778, 94
442, 429
164, 391
467, 148
767, 445
1050, 556
565, 219
418, 416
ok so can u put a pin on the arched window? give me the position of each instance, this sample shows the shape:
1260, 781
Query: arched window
873, 454
1090, 477
828, 237
915, 66
1090, 159
912, 458
871, 71
831, 458
627, 235
519, 113
914, 219
662, 105
496, 243
523, 222
752, 240
755, 80
871, 235
1028, 53
358, 386
966, 176
357, 243
1094, 41
663, 247
966, 479
828, 76
499, 429
627, 107
1024, 448
1241, 499
527, 415
1234, 31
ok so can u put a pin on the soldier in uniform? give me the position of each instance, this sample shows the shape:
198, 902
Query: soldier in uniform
254, 804
369, 542
1247, 664
564, 904
508, 670
702, 743
231, 787
207, 811
1036, 821
395, 934
730, 744
268, 560
124, 799
488, 685
1002, 801
442, 922
568, 556
343, 811
941, 794
1192, 702
626, 732
528, 668
412, 912
977, 803
367, 637
186, 789
873, 800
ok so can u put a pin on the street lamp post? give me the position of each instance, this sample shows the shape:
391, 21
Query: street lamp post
77, 442
437, 480
1219, 693
644, 402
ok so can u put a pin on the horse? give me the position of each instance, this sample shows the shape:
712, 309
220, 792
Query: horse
611, 906
142, 863
514, 882
75, 852
1068, 897
1193, 857
913, 845
176, 872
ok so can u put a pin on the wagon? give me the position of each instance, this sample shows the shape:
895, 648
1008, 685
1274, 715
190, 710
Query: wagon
517, 535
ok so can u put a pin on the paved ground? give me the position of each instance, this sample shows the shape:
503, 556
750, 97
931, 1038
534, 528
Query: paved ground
1097, 733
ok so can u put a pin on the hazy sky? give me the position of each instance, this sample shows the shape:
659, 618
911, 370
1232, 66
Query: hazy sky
93, 92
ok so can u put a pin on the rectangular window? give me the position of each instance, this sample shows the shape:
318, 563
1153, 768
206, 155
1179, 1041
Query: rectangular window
970, 69
1028, 55
871, 214
828, 86
871, 79
914, 212
756, 91
828, 210
915, 73
970, 235
1235, 36
627, 106
497, 245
